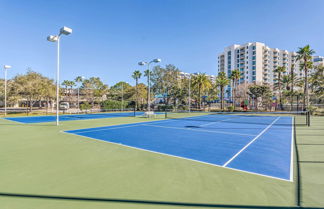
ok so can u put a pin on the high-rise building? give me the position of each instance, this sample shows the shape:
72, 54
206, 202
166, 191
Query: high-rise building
256, 62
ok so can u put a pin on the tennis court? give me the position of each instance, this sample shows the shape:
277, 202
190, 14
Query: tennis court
257, 144
52, 118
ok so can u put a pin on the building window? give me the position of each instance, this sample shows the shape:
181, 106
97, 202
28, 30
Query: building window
253, 47
253, 78
253, 58
253, 52
253, 72
253, 68
253, 63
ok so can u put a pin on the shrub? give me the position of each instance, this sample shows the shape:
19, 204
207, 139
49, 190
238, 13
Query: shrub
114, 105
230, 108
85, 106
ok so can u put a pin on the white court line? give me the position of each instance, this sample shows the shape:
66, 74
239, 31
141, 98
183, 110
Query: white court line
292, 150
183, 158
192, 129
253, 140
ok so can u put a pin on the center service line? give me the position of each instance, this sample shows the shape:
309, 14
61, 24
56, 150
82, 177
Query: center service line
246, 146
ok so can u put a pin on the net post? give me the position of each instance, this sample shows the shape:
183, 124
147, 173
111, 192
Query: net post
308, 118
134, 111
165, 114
298, 178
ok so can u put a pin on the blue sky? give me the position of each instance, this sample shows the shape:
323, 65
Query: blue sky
111, 36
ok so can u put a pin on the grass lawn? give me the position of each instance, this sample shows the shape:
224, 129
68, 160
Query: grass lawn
41, 160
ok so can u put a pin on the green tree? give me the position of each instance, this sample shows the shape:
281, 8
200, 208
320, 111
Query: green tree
235, 76
33, 87
95, 90
166, 81
305, 56
136, 75
259, 91
200, 83
222, 81
317, 82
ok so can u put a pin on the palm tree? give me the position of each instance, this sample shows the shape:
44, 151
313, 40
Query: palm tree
136, 75
279, 71
222, 81
71, 85
292, 83
79, 80
200, 82
235, 76
66, 84
305, 56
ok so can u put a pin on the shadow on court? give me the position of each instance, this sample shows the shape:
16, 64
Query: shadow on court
143, 202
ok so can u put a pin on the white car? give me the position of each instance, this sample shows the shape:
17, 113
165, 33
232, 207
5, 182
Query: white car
64, 106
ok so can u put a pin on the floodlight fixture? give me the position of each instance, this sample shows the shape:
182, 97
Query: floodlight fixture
142, 63
157, 60
52, 38
65, 30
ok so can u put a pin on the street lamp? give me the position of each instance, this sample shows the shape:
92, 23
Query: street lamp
6, 67
148, 80
56, 38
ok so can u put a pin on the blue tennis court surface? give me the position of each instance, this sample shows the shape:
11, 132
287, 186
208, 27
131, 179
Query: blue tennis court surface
255, 144
52, 118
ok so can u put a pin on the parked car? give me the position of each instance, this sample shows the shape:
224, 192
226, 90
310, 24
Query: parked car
64, 106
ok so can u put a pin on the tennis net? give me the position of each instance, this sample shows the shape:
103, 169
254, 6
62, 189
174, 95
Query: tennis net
300, 117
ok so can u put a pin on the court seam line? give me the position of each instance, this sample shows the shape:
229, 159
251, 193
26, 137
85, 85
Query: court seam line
191, 129
183, 158
253, 140
216, 122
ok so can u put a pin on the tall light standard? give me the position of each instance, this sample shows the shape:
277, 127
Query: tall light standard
56, 38
148, 80
6, 67
189, 98
122, 104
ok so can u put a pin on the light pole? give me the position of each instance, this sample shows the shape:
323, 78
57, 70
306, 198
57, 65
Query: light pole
6, 67
189, 99
148, 80
122, 104
79, 80
56, 38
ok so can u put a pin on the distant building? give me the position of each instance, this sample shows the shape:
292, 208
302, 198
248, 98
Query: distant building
187, 75
257, 62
